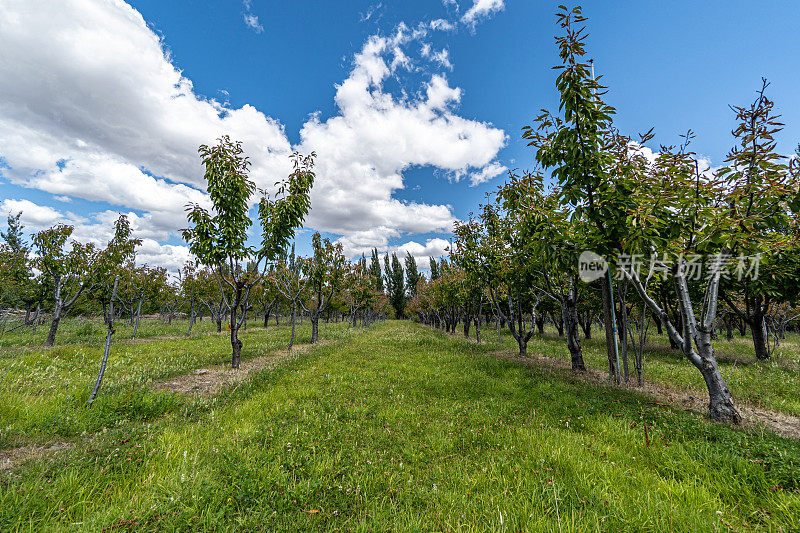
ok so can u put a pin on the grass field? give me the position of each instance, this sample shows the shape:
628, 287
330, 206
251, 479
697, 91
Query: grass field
396, 427
772, 384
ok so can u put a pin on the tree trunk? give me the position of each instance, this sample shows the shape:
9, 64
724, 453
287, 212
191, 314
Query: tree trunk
109, 317
611, 344
758, 328
314, 327
294, 314
573, 337
236, 344
51, 334
559, 322
478, 320
720, 402
192, 316
586, 324
36, 317
138, 313
728, 328
622, 329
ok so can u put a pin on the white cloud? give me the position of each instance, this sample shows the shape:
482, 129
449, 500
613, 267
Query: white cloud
100, 229
251, 21
85, 81
92, 107
172, 257
35, 217
364, 242
376, 137
371, 12
480, 9
486, 174
441, 25
423, 252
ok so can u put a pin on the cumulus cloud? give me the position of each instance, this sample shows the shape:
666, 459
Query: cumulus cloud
36, 217
375, 137
87, 85
481, 9
99, 229
486, 173
433, 248
92, 107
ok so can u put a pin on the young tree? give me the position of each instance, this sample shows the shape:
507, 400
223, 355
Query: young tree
136, 285
209, 292
70, 272
18, 283
109, 263
189, 288
509, 272
553, 238
292, 284
763, 189
325, 272
219, 239
573, 146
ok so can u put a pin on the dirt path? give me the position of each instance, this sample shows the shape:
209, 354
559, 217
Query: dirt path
14, 456
210, 380
782, 424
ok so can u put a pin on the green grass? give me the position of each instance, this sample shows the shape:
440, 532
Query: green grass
402, 428
44, 391
773, 384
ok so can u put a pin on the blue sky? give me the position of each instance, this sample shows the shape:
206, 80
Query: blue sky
89, 127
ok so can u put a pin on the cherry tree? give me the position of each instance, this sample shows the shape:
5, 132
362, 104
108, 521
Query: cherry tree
219, 238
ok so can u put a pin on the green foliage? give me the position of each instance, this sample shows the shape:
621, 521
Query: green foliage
434, 269
412, 275
395, 284
573, 145
375, 270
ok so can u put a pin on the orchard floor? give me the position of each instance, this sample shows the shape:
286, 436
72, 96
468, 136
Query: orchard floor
394, 427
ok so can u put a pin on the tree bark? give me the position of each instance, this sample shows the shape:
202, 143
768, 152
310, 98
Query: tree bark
611, 350
758, 328
138, 314
109, 318
695, 340
573, 336
314, 328
294, 314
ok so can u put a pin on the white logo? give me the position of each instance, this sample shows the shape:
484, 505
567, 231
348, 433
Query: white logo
591, 266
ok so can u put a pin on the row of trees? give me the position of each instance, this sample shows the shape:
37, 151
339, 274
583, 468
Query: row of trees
232, 279
657, 219
689, 248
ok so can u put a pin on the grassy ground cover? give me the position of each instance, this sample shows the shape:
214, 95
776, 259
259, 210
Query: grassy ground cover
772, 384
402, 428
43, 392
